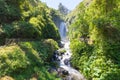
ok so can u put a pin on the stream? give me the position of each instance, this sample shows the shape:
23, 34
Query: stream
63, 59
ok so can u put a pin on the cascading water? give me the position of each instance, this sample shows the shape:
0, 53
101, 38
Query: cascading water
64, 60
62, 31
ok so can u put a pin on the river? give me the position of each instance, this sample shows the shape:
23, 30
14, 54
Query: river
64, 59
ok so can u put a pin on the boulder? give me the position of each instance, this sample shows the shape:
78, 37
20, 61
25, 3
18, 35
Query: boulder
62, 72
52, 70
65, 72
67, 61
61, 51
61, 45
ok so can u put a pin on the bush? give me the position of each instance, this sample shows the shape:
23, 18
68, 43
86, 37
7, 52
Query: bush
12, 58
96, 61
100, 59
28, 60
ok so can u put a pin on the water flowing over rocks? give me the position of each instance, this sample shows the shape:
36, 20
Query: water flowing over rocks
63, 56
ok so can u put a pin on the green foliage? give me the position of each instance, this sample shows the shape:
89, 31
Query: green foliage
56, 16
11, 59
80, 26
20, 30
62, 51
96, 62
98, 20
9, 11
26, 19
73, 15
81, 53
28, 59
63, 10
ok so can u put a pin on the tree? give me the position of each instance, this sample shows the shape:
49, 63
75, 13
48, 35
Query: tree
63, 10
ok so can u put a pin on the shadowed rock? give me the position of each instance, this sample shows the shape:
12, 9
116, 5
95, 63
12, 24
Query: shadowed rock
66, 61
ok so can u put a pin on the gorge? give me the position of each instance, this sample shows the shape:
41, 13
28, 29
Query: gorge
48, 44
64, 59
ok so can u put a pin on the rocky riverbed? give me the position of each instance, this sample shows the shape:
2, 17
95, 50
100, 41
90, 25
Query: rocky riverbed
64, 70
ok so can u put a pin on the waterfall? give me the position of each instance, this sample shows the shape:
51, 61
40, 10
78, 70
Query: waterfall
64, 59
62, 30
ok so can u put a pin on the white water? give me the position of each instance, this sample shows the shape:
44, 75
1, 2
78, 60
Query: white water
67, 55
62, 30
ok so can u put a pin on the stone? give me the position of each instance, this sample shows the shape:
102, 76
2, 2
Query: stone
52, 70
65, 72
61, 45
62, 72
66, 61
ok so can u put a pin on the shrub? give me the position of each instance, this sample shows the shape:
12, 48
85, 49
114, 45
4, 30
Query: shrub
28, 60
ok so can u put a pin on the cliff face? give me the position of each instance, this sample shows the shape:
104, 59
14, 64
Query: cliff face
59, 15
56, 17
57, 20
73, 15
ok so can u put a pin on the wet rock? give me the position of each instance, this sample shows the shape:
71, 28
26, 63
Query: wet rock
54, 57
66, 61
67, 54
68, 78
61, 57
77, 68
56, 52
52, 70
61, 52
65, 72
60, 69
61, 45
77, 77
62, 72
